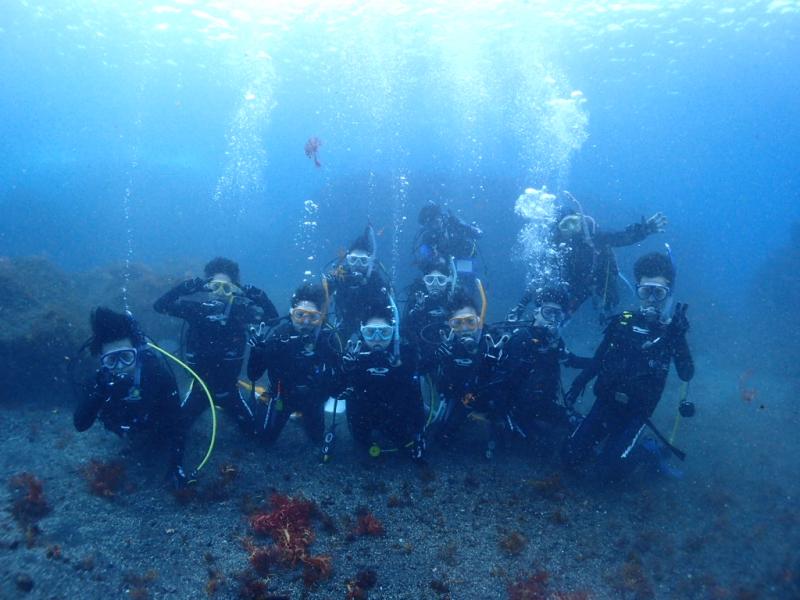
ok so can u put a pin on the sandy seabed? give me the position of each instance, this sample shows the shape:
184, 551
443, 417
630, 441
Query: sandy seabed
462, 527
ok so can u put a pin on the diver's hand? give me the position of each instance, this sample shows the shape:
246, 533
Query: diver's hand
190, 286
419, 302
656, 224
571, 397
350, 356
445, 347
257, 335
515, 313
495, 352
679, 324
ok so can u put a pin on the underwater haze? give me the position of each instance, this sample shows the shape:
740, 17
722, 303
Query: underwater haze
157, 135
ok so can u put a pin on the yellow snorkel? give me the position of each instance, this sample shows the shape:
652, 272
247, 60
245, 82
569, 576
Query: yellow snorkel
327, 299
484, 303
210, 402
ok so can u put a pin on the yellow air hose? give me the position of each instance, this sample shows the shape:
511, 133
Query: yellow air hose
684, 391
208, 395
484, 304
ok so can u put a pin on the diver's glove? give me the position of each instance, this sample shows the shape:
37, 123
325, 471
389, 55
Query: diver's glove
419, 302
445, 348
350, 356
191, 286
515, 313
495, 349
679, 324
686, 408
655, 224
256, 336
575, 390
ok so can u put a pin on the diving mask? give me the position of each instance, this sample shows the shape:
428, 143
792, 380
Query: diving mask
435, 280
570, 224
358, 260
305, 316
652, 291
222, 288
467, 323
120, 358
551, 316
374, 333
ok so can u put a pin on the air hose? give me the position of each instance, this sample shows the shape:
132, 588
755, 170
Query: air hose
208, 395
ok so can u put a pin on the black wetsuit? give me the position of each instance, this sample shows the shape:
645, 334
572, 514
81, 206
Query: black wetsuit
535, 358
216, 341
631, 366
383, 394
590, 267
145, 400
423, 312
304, 371
471, 381
352, 294
454, 239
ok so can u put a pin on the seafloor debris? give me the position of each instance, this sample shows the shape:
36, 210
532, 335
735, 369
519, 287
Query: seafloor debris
105, 479
513, 543
358, 587
536, 587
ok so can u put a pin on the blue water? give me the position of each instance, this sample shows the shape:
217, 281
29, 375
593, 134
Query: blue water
202, 110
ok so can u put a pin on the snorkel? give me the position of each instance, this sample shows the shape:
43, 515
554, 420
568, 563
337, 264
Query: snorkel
327, 299
374, 248
453, 275
668, 304
396, 315
484, 303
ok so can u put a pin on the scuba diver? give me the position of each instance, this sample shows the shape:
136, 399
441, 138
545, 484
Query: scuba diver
302, 357
586, 259
444, 236
426, 307
470, 370
536, 352
219, 312
355, 281
133, 391
631, 366
382, 388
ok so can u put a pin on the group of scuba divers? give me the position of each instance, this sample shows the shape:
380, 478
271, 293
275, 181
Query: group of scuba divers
409, 381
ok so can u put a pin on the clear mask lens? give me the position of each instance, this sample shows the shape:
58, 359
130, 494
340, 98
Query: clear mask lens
119, 359
303, 316
435, 280
377, 333
354, 260
223, 288
652, 291
464, 324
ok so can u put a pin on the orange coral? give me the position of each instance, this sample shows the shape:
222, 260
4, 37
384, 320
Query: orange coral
289, 525
105, 479
29, 504
533, 587
368, 524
